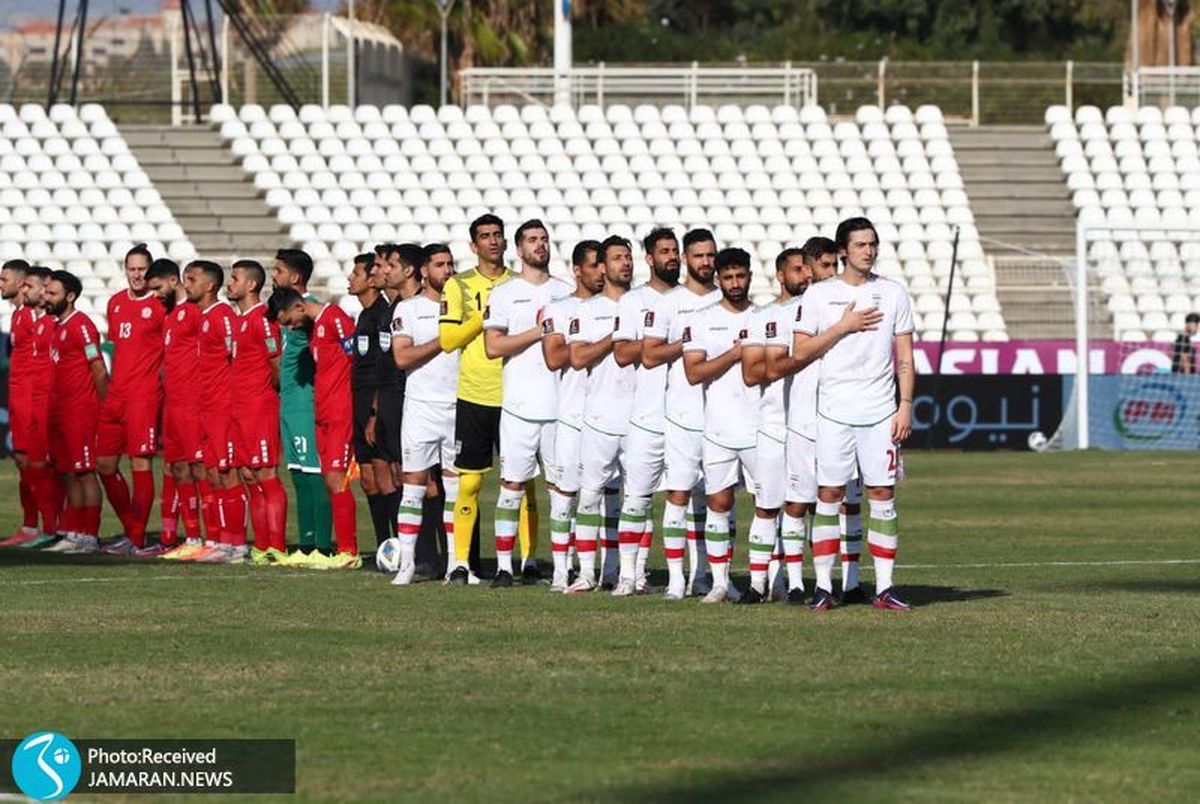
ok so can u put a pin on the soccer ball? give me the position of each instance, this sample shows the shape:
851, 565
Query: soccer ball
387, 555
1038, 441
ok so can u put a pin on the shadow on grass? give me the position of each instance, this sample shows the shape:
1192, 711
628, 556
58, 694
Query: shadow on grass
1103, 708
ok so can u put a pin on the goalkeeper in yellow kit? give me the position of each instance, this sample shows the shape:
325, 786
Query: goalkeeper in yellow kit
477, 410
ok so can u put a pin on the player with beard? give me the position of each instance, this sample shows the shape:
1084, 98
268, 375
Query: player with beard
643, 458
364, 378
608, 406
182, 435
572, 388
20, 390
79, 388
683, 431
129, 419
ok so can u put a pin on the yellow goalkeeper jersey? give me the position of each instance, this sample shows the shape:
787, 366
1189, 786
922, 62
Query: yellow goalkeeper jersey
460, 326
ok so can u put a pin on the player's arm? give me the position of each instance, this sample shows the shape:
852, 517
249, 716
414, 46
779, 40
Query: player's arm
586, 355
458, 325
699, 369
778, 362
274, 350
555, 351
906, 378
807, 348
754, 364
627, 346
498, 343
657, 347
409, 356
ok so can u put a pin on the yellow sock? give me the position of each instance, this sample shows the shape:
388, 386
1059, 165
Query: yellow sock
466, 511
527, 525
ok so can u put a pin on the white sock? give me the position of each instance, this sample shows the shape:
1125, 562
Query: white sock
793, 550
675, 538
630, 528
825, 538
851, 527
697, 514
561, 510
408, 521
450, 484
508, 513
612, 543
587, 531
643, 553
762, 542
883, 534
716, 541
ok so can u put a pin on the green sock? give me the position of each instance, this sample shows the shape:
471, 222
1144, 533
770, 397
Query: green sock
322, 513
304, 513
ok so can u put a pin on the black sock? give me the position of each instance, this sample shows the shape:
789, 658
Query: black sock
376, 504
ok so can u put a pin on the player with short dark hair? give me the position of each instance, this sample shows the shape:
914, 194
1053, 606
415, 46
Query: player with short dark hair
254, 376
129, 419
79, 388
331, 342
20, 391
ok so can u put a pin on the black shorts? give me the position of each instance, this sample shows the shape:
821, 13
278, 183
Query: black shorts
363, 399
476, 435
387, 424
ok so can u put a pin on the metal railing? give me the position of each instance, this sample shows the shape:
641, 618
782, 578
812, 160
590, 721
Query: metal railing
1163, 85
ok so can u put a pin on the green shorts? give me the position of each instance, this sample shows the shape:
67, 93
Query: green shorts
299, 439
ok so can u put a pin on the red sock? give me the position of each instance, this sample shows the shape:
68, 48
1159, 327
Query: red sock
189, 509
258, 516
143, 502
117, 491
210, 506
29, 506
233, 516
45, 492
68, 521
345, 528
277, 512
168, 507
90, 524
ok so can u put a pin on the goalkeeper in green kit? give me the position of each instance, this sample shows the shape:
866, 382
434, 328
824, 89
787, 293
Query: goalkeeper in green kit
293, 268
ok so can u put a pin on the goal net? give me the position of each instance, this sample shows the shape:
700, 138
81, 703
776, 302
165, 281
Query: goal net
1133, 286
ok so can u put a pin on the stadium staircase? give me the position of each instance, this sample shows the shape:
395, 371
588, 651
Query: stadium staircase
1026, 221
215, 202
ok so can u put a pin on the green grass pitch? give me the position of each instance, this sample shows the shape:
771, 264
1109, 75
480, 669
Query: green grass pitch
1053, 655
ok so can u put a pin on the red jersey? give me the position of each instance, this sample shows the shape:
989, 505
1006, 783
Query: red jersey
181, 360
76, 347
41, 363
332, 345
135, 325
215, 344
255, 344
20, 343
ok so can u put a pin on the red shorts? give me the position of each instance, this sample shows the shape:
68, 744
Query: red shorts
182, 435
256, 437
37, 442
129, 425
333, 442
73, 434
20, 417
216, 441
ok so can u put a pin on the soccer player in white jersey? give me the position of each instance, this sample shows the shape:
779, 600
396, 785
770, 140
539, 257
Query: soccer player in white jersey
771, 330
643, 459
572, 387
712, 353
608, 404
683, 431
512, 330
857, 414
427, 426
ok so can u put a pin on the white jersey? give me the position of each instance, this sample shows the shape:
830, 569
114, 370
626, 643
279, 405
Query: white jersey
729, 404
801, 387
857, 384
766, 326
530, 389
649, 401
668, 320
437, 380
572, 383
609, 396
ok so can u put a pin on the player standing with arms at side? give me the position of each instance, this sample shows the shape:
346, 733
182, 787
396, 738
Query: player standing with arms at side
20, 391
683, 436
643, 460
512, 329
712, 351
129, 418
254, 373
572, 389
364, 378
608, 405
427, 426
293, 269
80, 384
857, 415
182, 436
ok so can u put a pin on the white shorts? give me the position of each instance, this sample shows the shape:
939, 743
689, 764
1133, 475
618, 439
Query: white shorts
599, 459
801, 469
840, 446
427, 435
565, 469
770, 471
643, 462
723, 466
683, 453
522, 443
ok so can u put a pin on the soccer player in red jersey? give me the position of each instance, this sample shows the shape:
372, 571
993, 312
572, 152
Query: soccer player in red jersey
254, 377
222, 498
80, 385
20, 390
48, 489
332, 342
181, 434
129, 418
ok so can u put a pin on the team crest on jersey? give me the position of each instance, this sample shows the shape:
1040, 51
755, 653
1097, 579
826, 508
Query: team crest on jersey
742, 334
770, 329
146, 313
364, 344
398, 324
245, 326
321, 331
547, 326
573, 329
181, 315
204, 327
649, 320
687, 334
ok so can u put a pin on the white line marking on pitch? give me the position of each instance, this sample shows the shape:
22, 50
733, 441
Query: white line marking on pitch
120, 578
1115, 563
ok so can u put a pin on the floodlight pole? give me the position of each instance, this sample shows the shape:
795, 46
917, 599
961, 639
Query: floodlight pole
1171, 52
444, 8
